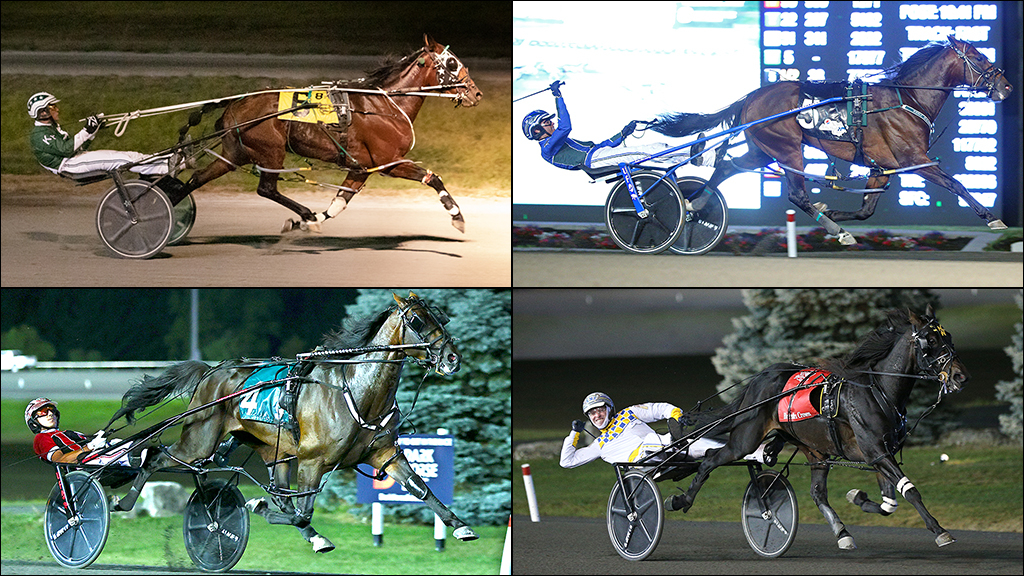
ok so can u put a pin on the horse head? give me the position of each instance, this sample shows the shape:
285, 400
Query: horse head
936, 357
425, 324
451, 72
979, 72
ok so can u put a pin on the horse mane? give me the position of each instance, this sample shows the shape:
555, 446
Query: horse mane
385, 73
874, 347
356, 333
914, 63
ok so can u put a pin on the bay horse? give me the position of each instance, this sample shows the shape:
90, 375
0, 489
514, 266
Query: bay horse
380, 135
869, 419
896, 136
345, 410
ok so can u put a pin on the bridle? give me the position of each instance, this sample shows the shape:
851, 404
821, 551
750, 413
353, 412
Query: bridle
934, 366
449, 70
978, 76
423, 327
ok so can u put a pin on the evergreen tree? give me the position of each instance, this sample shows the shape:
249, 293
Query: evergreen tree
805, 325
474, 404
1010, 391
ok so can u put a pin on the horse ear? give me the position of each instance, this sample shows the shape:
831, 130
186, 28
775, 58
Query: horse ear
397, 298
929, 311
412, 295
429, 42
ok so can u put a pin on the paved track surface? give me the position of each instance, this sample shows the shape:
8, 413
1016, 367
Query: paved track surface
840, 269
49, 238
581, 546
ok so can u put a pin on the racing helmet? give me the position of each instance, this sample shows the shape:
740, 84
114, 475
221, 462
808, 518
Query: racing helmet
599, 399
532, 124
33, 407
39, 102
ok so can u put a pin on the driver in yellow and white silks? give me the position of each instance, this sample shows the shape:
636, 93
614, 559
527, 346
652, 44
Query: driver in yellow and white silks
625, 435
64, 155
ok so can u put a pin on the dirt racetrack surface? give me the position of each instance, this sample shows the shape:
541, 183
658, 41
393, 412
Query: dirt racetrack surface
383, 238
581, 269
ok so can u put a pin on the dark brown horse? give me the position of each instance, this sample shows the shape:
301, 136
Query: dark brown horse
345, 410
869, 416
895, 137
379, 137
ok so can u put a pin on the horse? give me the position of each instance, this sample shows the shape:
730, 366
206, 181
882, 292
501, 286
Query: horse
377, 140
896, 136
865, 424
345, 410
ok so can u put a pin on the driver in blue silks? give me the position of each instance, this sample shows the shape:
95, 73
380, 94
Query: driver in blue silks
557, 148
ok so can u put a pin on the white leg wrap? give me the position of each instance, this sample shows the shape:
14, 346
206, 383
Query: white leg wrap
337, 206
903, 485
889, 505
454, 211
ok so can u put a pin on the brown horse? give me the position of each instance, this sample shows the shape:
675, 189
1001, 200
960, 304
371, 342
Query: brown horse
380, 135
896, 136
345, 411
866, 424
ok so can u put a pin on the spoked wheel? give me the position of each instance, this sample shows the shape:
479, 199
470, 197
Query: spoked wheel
184, 219
635, 516
705, 227
770, 530
143, 235
653, 232
76, 541
216, 526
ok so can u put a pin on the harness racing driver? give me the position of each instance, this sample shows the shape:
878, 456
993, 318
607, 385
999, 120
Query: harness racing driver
67, 446
68, 156
557, 148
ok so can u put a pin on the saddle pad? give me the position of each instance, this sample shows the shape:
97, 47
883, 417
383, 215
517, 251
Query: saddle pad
324, 113
799, 406
264, 405
824, 122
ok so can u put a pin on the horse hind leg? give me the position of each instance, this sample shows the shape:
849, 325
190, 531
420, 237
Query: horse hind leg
819, 493
798, 196
302, 515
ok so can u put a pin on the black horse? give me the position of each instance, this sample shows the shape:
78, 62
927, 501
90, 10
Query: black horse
866, 423
896, 136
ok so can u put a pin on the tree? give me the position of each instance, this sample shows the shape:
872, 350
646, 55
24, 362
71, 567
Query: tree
474, 404
805, 325
27, 339
1010, 391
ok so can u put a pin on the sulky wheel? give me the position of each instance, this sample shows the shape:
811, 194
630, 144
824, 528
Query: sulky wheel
704, 227
770, 531
142, 235
635, 516
216, 526
184, 219
650, 233
76, 540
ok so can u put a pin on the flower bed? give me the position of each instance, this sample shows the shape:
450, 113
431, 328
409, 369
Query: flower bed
766, 240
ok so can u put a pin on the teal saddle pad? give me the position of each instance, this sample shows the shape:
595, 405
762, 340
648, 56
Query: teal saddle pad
264, 404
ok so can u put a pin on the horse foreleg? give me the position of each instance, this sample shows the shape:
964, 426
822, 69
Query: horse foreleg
401, 471
819, 493
936, 175
888, 505
893, 474
410, 171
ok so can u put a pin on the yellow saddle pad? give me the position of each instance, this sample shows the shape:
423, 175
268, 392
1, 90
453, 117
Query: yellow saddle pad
324, 112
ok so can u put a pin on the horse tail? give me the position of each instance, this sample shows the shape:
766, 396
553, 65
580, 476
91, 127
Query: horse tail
196, 117
178, 379
760, 386
683, 124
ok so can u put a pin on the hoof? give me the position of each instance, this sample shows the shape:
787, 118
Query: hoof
309, 226
290, 225
257, 505
944, 539
465, 533
847, 543
997, 225
321, 544
459, 223
856, 497
846, 239
677, 502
